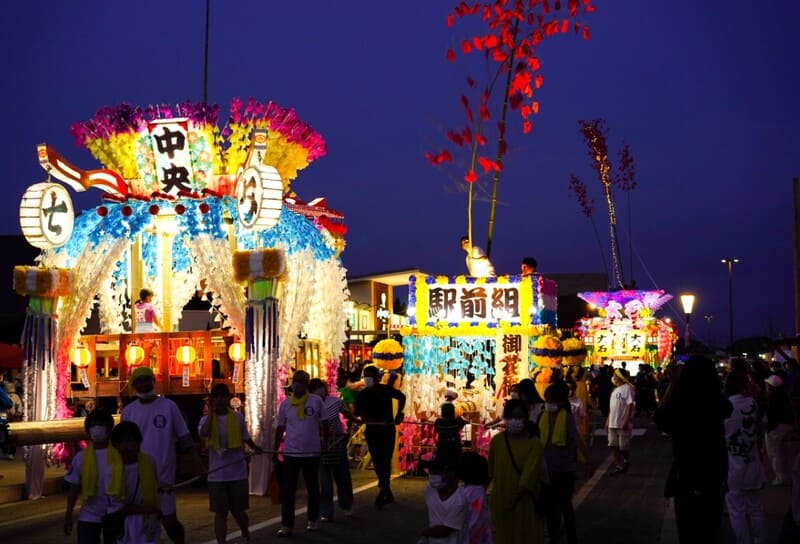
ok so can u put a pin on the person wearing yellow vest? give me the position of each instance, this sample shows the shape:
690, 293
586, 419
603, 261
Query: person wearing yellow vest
225, 436
562, 443
88, 476
132, 491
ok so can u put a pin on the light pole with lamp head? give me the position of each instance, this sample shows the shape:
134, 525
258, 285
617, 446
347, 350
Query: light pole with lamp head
687, 301
730, 262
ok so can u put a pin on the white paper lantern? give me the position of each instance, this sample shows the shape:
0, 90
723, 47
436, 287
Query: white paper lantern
46, 215
259, 197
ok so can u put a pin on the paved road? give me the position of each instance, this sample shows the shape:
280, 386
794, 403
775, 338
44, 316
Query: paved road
628, 509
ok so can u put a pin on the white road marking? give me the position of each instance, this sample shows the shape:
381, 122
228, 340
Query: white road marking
277, 519
588, 486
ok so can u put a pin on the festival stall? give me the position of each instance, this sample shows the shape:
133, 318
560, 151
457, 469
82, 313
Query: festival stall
185, 202
475, 335
627, 328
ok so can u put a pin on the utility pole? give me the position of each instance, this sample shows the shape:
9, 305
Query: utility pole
796, 261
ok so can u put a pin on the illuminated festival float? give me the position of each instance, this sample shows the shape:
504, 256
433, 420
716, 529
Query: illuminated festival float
627, 328
187, 205
475, 335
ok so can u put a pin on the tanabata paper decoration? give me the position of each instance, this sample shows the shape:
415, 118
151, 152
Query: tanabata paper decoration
542, 378
388, 354
574, 352
258, 264
42, 282
547, 351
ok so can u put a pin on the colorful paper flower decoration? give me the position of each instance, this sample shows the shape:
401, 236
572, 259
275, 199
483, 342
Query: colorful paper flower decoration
574, 352
388, 354
547, 351
118, 137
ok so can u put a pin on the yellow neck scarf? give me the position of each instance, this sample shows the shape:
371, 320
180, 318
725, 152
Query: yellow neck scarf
559, 437
233, 431
147, 478
89, 473
300, 404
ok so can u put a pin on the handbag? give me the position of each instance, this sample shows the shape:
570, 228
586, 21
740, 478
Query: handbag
541, 502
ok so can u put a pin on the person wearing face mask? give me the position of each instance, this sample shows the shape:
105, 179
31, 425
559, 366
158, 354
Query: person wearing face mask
562, 441
88, 476
447, 507
333, 466
162, 425
515, 469
300, 417
375, 408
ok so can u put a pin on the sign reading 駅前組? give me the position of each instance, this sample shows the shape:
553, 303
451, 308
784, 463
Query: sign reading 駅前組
474, 303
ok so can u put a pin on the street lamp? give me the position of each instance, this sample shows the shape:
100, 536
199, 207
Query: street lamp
730, 262
688, 303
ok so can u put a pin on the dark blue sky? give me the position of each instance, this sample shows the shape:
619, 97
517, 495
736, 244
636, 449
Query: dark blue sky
705, 93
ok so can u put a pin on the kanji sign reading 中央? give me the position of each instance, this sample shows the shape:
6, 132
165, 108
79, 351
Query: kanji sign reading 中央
173, 161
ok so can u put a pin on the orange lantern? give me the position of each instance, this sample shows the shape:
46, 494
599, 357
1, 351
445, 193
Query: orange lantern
186, 354
134, 355
81, 356
236, 352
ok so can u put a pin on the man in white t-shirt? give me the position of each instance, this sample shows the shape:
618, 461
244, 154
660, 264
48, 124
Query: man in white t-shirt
619, 423
161, 424
300, 416
745, 497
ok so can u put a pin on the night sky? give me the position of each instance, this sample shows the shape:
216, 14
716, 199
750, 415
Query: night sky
705, 95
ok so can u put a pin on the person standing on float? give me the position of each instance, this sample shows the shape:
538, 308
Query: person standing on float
145, 313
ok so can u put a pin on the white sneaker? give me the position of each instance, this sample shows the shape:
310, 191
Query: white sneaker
312, 526
324, 518
284, 531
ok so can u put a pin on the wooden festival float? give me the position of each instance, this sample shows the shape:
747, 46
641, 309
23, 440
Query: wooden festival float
185, 202
627, 328
476, 335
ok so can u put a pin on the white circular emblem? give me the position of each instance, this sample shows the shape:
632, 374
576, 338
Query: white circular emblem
259, 197
46, 215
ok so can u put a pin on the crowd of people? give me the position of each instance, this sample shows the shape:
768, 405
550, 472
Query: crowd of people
727, 424
722, 423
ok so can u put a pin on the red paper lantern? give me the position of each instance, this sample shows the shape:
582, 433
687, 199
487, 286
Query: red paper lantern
127, 211
153, 209
180, 209
102, 211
